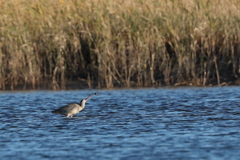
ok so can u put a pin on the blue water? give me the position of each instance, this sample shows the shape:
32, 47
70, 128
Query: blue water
180, 123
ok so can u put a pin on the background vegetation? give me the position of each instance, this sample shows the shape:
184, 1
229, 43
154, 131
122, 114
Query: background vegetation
120, 43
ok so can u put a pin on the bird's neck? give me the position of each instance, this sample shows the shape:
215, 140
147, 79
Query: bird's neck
82, 104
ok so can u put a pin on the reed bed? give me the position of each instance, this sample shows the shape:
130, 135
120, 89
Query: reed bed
120, 43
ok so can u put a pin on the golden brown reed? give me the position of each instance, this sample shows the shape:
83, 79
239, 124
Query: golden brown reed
118, 43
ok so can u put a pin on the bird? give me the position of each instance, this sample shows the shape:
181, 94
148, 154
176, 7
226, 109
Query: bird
73, 108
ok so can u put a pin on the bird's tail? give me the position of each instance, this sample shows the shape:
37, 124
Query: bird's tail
57, 111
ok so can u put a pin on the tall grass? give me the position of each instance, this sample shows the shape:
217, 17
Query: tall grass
48, 43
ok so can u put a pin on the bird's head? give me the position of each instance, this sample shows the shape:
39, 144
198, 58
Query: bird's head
82, 102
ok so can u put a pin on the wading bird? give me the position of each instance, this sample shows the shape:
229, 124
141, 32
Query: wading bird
73, 108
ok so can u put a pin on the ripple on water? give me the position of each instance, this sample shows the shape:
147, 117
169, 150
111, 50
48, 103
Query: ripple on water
182, 123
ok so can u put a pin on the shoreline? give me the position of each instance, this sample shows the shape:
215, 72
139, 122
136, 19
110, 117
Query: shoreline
74, 85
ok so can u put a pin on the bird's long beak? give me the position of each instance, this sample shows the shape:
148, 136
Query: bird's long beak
90, 96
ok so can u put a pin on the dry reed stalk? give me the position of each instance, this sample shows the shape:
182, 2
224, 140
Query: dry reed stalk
118, 43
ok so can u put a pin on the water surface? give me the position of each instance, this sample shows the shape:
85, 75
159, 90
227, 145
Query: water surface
180, 123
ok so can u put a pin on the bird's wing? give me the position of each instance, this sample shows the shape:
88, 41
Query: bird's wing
68, 107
